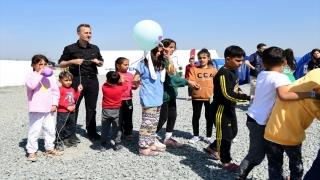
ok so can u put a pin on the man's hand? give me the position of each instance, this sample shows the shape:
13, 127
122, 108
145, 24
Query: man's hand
71, 108
240, 92
98, 63
53, 108
77, 61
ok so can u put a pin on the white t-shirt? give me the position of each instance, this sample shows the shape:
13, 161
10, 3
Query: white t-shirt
265, 95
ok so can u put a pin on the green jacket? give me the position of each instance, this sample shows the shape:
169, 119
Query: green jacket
171, 83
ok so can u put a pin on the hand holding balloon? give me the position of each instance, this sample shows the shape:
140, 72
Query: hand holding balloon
46, 72
80, 88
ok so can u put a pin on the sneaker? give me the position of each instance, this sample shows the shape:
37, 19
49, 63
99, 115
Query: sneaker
33, 157
59, 146
69, 143
159, 145
74, 139
193, 140
53, 152
172, 143
103, 148
117, 147
209, 140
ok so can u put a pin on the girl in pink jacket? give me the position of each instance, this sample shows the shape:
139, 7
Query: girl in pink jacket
43, 97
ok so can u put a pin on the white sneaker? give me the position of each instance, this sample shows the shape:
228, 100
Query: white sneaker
209, 140
194, 140
158, 144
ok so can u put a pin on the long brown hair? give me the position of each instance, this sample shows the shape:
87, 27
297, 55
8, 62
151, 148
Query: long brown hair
291, 62
313, 59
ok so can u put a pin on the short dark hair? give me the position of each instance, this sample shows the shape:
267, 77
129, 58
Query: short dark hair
260, 45
82, 25
65, 74
113, 77
273, 56
191, 59
234, 51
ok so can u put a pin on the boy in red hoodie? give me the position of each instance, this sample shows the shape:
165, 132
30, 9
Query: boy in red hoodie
66, 123
111, 103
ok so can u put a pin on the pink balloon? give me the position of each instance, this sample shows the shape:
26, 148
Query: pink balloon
46, 72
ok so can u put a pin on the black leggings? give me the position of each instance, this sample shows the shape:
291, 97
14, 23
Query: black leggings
168, 112
197, 106
126, 117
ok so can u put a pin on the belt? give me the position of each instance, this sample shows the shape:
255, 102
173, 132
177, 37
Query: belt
90, 76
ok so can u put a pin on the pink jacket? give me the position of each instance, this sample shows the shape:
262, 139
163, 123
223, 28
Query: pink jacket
128, 93
42, 92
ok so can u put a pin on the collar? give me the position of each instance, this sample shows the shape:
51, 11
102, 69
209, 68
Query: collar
88, 45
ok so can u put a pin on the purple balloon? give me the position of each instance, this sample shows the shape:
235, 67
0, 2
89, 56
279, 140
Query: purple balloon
160, 38
46, 72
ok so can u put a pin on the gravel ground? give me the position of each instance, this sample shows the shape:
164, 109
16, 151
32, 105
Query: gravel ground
86, 162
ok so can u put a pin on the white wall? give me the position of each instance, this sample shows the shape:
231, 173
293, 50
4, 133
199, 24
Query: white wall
12, 73
179, 57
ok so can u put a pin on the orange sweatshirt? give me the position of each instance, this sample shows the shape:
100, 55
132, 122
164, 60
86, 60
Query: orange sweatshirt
205, 78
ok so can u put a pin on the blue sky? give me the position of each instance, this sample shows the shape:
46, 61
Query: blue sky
28, 27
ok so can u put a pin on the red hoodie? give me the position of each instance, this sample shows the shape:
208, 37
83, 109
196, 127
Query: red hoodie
188, 67
68, 97
112, 95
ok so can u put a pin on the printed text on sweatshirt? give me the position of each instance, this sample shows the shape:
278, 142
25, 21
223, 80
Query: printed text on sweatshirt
205, 78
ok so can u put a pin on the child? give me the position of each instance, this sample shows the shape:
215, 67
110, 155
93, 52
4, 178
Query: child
204, 76
43, 97
226, 95
315, 60
186, 75
66, 111
270, 83
111, 103
122, 65
290, 67
285, 130
151, 72
168, 112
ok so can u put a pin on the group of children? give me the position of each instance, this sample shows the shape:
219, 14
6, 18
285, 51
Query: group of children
269, 119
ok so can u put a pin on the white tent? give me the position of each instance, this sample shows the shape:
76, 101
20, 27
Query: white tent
179, 57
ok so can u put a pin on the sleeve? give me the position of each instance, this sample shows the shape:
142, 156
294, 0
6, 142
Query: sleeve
66, 56
228, 92
55, 92
176, 81
76, 95
251, 58
281, 80
33, 80
166, 63
62, 105
186, 73
99, 55
140, 67
192, 75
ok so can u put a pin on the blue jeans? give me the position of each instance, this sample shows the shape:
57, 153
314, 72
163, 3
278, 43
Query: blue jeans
314, 173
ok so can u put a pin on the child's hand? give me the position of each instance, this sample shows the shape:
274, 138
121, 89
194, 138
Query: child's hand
53, 108
317, 97
80, 88
166, 53
136, 83
71, 108
240, 92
